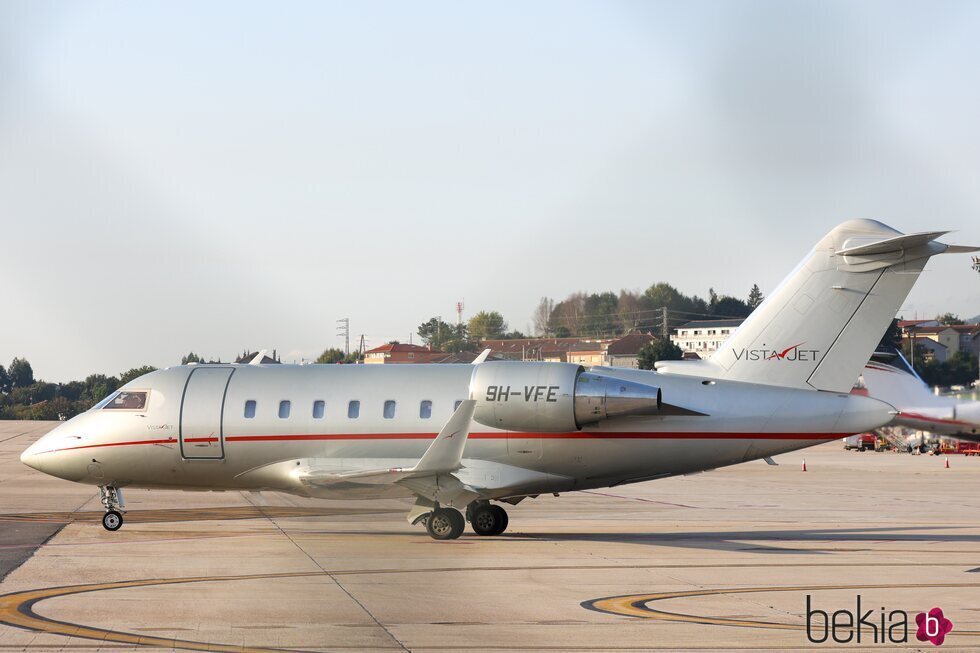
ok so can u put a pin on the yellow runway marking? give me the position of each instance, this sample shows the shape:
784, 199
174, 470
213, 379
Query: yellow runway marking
17, 608
637, 605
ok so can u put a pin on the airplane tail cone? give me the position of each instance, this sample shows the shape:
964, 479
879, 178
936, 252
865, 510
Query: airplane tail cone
804, 464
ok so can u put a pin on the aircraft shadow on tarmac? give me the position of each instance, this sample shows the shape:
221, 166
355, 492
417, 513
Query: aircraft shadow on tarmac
786, 541
769, 541
192, 514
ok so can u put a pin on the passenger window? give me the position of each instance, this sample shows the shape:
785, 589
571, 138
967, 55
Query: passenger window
353, 409
250, 409
425, 409
389, 409
284, 409
456, 405
318, 407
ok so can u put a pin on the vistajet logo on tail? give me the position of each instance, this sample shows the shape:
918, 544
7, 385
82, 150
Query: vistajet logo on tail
793, 353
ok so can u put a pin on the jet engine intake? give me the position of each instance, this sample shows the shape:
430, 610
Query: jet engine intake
554, 397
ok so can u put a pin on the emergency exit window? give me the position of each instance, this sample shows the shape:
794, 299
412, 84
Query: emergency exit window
353, 409
250, 409
284, 409
389, 412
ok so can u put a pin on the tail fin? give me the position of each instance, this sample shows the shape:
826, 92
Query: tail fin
820, 326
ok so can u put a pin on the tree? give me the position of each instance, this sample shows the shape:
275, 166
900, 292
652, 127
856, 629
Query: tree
892, 337
627, 311
99, 386
331, 356
658, 350
4, 381
755, 297
487, 325
514, 335
72, 391
727, 306
190, 358
135, 373
949, 319
542, 316
600, 314
664, 295
20, 372
435, 332
958, 369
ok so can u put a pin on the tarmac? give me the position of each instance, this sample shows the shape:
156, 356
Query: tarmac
723, 560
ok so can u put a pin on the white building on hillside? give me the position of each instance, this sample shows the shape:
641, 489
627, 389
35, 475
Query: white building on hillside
703, 337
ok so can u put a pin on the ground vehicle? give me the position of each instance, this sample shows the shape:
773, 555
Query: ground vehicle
860, 442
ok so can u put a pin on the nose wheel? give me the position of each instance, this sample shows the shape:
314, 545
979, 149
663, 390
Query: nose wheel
112, 499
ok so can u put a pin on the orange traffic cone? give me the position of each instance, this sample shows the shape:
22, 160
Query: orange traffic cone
804, 464
947, 463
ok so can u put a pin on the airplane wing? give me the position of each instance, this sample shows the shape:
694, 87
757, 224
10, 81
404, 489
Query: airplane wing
444, 456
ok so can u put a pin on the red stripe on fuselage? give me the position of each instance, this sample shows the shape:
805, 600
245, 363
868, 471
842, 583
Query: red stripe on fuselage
934, 420
580, 435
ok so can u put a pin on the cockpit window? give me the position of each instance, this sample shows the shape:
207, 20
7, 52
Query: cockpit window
102, 403
126, 400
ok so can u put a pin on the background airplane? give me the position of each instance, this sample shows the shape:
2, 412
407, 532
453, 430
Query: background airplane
890, 378
457, 437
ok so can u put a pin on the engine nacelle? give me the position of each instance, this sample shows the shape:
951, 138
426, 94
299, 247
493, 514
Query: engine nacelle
553, 397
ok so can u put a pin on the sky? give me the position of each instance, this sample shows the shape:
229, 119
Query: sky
217, 176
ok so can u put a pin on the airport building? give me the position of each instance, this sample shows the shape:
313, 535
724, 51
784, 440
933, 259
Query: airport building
703, 337
941, 341
399, 352
610, 352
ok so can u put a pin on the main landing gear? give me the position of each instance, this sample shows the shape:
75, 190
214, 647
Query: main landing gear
487, 519
445, 524
449, 523
112, 499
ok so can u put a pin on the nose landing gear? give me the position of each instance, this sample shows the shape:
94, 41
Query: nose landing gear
112, 499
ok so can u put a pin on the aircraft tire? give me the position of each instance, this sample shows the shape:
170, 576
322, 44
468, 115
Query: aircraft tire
503, 521
445, 524
112, 520
489, 520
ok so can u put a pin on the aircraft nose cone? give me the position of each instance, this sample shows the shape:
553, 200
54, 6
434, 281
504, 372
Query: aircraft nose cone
29, 458
32, 455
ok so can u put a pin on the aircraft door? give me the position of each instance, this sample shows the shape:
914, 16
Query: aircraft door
201, 412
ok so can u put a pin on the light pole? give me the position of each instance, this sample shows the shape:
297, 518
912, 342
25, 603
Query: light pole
976, 266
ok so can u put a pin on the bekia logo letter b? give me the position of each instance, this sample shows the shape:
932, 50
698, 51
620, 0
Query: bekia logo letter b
933, 626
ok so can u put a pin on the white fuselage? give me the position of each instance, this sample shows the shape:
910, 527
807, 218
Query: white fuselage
193, 432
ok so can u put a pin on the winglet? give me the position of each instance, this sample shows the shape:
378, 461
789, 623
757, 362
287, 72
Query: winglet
446, 451
482, 357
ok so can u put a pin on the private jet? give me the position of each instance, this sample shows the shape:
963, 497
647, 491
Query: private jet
463, 439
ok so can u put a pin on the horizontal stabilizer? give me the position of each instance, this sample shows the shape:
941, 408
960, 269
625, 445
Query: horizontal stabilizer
860, 246
961, 249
